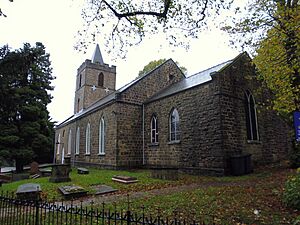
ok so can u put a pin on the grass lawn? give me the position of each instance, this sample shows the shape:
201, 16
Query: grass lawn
223, 200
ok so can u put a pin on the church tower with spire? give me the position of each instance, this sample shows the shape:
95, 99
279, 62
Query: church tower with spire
94, 81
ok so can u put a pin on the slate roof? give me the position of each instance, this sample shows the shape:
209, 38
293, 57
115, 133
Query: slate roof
186, 83
189, 82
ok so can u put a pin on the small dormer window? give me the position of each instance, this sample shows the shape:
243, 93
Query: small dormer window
100, 79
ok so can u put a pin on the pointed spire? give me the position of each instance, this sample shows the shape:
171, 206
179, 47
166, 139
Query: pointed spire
97, 57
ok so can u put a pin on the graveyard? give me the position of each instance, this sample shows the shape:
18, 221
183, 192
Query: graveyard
253, 198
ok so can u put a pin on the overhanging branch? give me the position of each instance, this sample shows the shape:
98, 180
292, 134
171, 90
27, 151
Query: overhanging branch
162, 14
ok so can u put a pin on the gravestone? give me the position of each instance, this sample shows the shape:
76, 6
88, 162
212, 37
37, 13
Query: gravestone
124, 179
103, 189
72, 191
81, 170
46, 172
34, 168
60, 173
29, 191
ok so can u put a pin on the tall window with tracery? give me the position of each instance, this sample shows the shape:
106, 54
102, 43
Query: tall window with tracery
102, 137
251, 117
154, 129
70, 142
88, 140
77, 141
174, 126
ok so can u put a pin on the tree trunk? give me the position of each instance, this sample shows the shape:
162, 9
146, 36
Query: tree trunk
19, 166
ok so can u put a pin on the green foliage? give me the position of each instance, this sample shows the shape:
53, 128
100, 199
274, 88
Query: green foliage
155, 63
295, 156
270, 30
25, 78
291, 195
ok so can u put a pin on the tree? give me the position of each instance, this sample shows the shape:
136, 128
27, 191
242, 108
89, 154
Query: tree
124, 23
2, 13
271, 31
153, 64
26, 129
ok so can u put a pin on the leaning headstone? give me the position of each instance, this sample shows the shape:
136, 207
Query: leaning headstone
34, 168
124, 179
29, 191
60, 173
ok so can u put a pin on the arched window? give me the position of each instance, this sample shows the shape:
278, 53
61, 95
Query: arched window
102, 137
100, 79
174, 126
251, 118
70, 142
88, 139
154, 129
58, 145
77, 141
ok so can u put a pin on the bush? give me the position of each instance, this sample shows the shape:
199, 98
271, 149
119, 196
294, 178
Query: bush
291, 194
295, 156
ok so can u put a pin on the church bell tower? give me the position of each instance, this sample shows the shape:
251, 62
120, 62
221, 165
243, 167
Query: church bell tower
94, 81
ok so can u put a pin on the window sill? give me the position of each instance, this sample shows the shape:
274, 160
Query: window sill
153, 144
101, 154
87, 154
253, 141
174, 142
76, 154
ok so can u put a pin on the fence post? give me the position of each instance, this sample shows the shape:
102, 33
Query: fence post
37, 206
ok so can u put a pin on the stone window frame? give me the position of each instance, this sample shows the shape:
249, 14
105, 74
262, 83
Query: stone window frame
251, 117
77, 143
174, 126
69, 142
102, 135
88, 139
154, 129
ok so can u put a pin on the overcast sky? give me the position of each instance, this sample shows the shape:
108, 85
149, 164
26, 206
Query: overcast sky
55, 24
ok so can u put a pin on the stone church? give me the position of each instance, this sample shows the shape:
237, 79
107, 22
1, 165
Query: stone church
164, 119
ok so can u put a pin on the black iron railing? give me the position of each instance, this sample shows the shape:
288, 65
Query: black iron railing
14, 211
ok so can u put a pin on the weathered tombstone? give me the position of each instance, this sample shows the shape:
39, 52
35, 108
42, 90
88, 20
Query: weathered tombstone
46, 172
124, 179
29, 191
34, 168
60, 173
72, 191
67, 160
81, 170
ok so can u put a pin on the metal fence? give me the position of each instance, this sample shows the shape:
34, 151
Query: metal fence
14, 211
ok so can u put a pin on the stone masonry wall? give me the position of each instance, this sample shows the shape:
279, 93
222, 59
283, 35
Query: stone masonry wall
199, 150
109, 159
274, 142
163, 76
